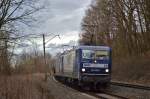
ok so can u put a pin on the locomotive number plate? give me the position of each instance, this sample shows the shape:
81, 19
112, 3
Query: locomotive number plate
96, 65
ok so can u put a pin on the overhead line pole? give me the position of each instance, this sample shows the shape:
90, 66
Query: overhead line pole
44, 49
44, 43
44, 52
44, 57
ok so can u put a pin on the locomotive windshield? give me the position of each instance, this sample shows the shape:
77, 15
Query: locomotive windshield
95, 54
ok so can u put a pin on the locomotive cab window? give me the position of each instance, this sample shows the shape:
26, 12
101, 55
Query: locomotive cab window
88, 54
101, 54
97, 54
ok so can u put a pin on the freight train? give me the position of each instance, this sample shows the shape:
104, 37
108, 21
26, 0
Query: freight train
85, 65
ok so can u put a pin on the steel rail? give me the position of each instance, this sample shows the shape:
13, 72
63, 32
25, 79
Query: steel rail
105, 95
130, 85
115, 95
100, 94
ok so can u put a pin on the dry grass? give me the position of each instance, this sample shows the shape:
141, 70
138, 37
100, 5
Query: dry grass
24, 87
132, 69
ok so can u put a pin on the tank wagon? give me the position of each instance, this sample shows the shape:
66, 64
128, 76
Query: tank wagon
85, 64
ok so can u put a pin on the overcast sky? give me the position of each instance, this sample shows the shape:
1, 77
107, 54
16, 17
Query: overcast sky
61, 17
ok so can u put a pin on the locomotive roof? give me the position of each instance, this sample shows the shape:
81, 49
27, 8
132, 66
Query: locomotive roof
93, 47
87, 48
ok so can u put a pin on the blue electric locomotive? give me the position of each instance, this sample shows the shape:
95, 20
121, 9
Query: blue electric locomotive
85, 64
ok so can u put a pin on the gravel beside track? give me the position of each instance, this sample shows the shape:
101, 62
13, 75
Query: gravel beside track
59, 91
131, 85
63, 91
98, 94
129, 92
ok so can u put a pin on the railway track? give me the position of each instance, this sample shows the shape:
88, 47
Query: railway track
100, 94
106, 95
130, 85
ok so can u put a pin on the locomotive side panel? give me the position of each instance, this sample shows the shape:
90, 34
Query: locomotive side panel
59, 66
69, 63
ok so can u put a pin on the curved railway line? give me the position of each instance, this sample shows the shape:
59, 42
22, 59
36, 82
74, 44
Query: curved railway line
98, 94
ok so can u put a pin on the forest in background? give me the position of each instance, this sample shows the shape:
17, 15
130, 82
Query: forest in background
124, 25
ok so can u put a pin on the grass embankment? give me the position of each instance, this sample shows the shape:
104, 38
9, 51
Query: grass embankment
132, 70
24, 87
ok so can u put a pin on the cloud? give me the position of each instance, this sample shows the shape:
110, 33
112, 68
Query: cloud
55, 48
62, 16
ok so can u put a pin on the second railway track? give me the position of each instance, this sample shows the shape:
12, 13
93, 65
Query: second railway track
130, 85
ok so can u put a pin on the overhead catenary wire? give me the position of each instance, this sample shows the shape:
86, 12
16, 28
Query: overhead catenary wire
24, 37
21, 37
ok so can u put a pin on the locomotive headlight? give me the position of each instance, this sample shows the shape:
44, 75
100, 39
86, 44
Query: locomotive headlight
107, 70
83, 69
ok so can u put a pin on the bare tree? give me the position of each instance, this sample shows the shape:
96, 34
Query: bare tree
11, 13
122, 24
98, 23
